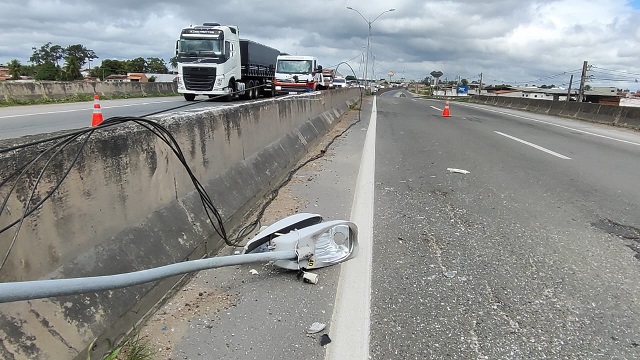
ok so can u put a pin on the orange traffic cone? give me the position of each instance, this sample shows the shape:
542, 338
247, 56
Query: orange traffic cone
96, 119
445, 112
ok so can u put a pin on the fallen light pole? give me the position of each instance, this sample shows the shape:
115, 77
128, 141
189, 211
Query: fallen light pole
298, 242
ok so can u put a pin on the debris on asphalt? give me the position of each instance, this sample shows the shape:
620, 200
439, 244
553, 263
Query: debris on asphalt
459, 171
253, 272
309, 278
450, 274
324, 339
316, 327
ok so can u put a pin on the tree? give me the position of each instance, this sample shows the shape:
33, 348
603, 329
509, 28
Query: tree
350, 78
75, 58
156, 66
464, 82
174, 62
42, 55
47, 71
136, 65
152, 79
587, 87
56, 53
14, 69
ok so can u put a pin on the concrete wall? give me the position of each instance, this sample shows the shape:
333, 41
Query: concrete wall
606, 114
18, 90
129, 205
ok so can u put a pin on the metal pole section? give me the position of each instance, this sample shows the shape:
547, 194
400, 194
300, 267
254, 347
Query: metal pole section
583, 78
569, 92
366, 64
29, 290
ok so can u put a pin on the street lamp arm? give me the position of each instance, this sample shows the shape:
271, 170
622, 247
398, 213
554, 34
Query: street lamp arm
384, 12
362, 16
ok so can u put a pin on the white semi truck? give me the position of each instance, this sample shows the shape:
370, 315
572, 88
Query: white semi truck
214, 61
296, 74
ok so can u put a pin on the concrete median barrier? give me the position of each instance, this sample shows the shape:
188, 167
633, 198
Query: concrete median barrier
604, 114
128, 205
37, 90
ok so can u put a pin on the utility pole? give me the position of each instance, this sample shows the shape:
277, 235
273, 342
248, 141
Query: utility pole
569, 92
480, 87
583, 78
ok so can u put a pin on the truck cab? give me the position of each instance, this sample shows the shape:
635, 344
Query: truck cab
213, 61
297, 74
208, 58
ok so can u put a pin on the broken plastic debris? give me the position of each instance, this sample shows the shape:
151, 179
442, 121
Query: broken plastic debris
316, 327
459, 171
309, 278
324, 339
450, 274
253, 272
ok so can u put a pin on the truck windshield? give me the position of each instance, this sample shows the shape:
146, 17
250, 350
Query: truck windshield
201, 47
294, 66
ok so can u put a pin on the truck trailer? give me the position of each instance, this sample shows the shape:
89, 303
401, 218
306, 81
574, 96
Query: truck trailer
214, 61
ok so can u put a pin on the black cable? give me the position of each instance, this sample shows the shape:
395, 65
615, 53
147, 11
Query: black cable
33, 190
157, 129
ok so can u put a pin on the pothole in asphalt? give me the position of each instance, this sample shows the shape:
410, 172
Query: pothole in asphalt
624, 232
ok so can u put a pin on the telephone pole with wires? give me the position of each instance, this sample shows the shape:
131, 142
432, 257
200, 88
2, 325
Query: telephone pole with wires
583, 78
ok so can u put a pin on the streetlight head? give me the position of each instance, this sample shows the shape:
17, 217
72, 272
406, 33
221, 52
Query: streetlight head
349, 7
392, 9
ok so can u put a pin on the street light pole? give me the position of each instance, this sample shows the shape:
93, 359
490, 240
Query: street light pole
369, 23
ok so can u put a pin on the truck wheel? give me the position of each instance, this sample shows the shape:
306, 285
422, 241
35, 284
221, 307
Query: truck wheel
232, 87
258, 89
189, 97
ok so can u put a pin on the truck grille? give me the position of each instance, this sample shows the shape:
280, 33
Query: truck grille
199, 78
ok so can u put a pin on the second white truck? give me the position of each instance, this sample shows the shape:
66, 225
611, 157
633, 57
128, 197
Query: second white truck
296, 74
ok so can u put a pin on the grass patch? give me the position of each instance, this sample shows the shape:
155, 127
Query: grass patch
134, 348
78, 98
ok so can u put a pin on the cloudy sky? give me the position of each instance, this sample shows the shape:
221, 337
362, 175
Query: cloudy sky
508, 41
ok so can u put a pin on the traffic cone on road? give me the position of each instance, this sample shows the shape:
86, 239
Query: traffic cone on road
446, 112
96, 119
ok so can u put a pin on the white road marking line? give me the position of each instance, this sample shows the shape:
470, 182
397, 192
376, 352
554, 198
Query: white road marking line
558, 125
351, 321
433, 107
89, 108
534, 146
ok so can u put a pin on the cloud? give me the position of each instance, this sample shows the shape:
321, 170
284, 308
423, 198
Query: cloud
506, 40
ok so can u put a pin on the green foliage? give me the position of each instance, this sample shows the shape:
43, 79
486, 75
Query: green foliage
15, 69
174, 62
156, 66
350, 77
464, 82
152, 79
46, 61
47, 71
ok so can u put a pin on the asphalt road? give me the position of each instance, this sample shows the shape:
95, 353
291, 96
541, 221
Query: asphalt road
16, 121
533, 254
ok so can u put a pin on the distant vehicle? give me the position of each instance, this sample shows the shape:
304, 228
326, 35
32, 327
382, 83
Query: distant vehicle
329, 75
339, 83
296, 74
213, 60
